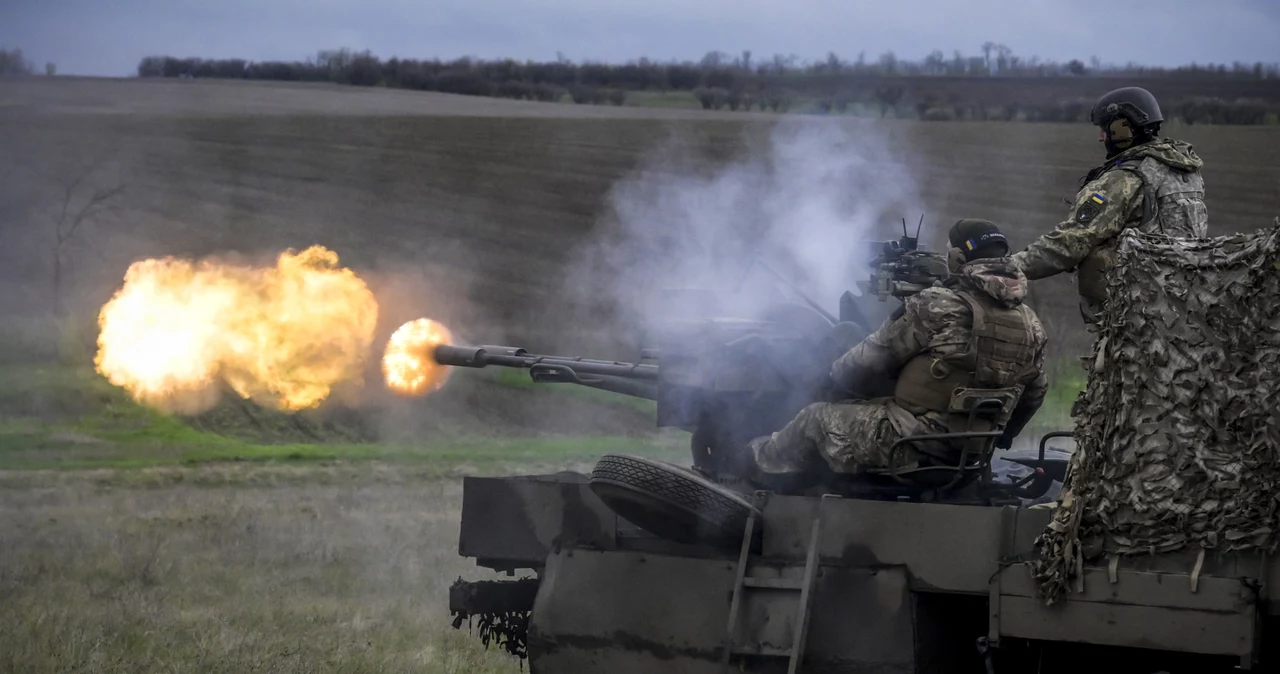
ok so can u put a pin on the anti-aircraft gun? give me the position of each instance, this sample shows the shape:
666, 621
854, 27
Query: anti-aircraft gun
645, 566
727, 380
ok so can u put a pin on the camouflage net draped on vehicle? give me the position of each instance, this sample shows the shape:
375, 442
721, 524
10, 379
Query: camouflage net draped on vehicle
1178, 435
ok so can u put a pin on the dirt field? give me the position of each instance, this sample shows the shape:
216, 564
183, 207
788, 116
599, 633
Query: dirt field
491, 215
495, 201
223, 97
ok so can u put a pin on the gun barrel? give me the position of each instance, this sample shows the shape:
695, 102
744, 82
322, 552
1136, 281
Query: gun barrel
510, 356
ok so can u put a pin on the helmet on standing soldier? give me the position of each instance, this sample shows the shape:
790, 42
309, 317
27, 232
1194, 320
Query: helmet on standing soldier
1127, 116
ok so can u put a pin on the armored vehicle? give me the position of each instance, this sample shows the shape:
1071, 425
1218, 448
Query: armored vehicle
648, 566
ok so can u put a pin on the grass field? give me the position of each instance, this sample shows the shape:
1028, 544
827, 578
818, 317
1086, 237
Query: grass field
247, 541
134, 541
255, 573
478, 219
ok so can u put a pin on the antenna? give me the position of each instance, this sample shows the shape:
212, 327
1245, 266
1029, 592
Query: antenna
919, 225
904, 228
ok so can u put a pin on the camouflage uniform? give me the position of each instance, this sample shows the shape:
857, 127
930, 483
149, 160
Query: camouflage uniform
1155, 187
936, 327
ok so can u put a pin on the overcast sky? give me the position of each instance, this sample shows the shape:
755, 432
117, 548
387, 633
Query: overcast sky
108, 37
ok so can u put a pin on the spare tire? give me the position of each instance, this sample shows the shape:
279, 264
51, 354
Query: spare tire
670, 501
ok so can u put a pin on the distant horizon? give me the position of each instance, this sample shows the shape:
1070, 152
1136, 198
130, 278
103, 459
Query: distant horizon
1090, 64
800, 61
88, 37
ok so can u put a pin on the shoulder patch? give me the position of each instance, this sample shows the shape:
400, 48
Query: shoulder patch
1090, 208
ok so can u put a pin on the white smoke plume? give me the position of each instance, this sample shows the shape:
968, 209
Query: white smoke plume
803, 200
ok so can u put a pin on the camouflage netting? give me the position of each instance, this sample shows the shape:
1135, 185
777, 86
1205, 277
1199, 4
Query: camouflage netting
1178, 437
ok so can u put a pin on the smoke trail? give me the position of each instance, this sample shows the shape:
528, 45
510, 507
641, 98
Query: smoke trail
801, 200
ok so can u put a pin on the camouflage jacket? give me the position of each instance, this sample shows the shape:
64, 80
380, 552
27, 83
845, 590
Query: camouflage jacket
1155, 187
938, 321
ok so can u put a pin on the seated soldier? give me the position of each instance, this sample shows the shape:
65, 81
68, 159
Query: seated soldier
972, 331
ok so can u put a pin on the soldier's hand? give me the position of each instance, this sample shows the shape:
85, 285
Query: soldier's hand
1004, 442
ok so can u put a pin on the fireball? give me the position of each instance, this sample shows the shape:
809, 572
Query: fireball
409, 364
283, 336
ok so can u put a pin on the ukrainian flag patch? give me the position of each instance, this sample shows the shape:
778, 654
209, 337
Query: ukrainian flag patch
969, 244
1098, 199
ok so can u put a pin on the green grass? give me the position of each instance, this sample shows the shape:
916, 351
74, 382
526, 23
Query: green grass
348, 576
43, 449
1066, 380
62, 417
152, 545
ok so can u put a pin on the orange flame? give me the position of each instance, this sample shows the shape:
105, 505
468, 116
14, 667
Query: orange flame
283, 336
408, 364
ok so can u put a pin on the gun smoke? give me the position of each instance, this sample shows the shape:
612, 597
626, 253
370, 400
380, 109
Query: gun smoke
798, 206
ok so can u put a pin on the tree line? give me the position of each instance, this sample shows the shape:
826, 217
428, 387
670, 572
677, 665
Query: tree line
715, 69
14, 62
936, 87
996, 84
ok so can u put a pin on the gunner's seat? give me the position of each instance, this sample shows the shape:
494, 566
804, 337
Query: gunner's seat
950, 467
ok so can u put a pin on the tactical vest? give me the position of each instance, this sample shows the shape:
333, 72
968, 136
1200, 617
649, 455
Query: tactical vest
1172, 204
1001, 346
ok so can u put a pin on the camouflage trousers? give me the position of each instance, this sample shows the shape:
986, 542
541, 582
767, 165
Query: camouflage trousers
850, 437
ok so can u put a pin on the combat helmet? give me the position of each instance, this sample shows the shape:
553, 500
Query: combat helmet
1128, 116
1132, 103
972, 238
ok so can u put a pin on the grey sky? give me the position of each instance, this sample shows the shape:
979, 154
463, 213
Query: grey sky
108, 37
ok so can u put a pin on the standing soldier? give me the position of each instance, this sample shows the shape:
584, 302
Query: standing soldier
1147, 182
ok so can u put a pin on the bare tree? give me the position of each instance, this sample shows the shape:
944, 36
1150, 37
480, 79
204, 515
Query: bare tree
889, 63
833, 64
77, 202
1002, 58
714, 59
935, 62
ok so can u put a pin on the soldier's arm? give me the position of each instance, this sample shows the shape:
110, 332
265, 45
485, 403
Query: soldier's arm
1036, 387
1102, 209
889, 348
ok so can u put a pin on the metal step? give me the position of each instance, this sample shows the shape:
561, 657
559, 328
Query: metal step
764, 652
774, 583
